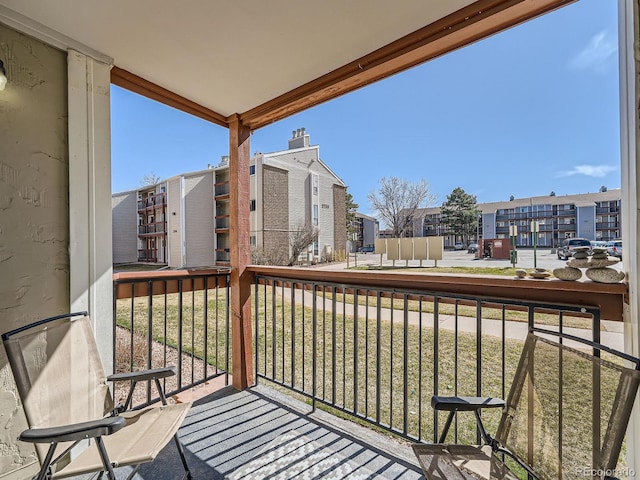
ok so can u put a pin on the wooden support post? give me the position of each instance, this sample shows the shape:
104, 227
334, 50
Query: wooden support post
239, 230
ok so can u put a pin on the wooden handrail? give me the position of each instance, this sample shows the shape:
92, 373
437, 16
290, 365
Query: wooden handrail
609, 298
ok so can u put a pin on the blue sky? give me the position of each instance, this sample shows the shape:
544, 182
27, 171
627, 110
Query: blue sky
525, 112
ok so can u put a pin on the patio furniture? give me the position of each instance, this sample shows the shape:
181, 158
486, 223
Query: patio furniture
67, 400
565, 416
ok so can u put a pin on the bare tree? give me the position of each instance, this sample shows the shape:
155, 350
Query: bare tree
397, 200
300, 239
150, 178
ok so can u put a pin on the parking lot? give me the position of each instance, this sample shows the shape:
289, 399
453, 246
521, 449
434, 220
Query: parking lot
544, 259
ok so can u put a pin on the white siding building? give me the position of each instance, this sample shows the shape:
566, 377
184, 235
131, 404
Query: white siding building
184, 221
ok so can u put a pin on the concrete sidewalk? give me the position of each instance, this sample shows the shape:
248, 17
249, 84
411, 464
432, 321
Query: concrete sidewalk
611, 333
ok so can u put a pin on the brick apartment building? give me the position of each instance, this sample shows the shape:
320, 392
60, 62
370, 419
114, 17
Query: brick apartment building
184, 221
594, 216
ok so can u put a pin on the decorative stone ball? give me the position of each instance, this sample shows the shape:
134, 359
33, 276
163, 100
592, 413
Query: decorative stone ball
605, 275
581, 249
520, 273
599, 256
580, 255
539, 274
567, 273
593, 263
599, 250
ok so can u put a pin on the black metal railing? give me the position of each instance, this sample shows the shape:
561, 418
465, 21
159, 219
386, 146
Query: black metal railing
152, 201
151, 228
379, 354
221, 189
173, 320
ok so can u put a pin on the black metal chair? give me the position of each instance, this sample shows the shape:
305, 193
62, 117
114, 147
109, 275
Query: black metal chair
565, 416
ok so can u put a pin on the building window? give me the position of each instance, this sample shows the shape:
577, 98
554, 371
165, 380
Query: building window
314, 179
315, 214
252, 206
253, 240
252, 169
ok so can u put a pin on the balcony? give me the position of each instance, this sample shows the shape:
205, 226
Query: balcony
571, 212
221, 190
147, 255
156, 228
222, 222
371, 348
607, 225
223, 255
152, 202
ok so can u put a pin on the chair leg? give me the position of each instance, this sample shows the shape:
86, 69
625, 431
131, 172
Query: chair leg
447, 424
182, 456
105, 459
45, 471
133, 472
483, 432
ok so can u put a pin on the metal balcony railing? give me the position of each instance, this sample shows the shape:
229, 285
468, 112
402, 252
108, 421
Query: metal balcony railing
153, 201
223, 255
180, 319
152, 228
221, 189
378, 354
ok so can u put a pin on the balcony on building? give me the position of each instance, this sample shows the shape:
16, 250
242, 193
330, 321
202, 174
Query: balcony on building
152, 202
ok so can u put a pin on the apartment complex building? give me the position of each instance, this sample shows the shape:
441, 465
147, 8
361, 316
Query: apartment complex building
365, 231
184, 221
594, 216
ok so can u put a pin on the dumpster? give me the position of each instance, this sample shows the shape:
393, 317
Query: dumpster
498, 248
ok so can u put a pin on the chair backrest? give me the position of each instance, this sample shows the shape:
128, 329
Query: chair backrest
569, 406
58, 371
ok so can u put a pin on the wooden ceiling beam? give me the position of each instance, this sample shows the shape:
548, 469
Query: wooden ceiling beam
470, 24
134, 83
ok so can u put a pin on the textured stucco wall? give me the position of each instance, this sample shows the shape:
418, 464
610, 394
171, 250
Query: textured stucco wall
34, 218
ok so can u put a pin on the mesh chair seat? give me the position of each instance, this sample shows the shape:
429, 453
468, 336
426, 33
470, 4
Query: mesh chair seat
461, 462
146, 432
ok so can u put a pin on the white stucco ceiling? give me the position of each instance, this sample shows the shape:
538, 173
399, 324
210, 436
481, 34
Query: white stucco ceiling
233, 55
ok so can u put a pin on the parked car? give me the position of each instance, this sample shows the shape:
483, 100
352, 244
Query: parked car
459, 246
569, 245
473, 248
367, 249
614, 248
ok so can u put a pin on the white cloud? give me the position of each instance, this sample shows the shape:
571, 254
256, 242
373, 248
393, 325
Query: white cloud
596, 171
602, 47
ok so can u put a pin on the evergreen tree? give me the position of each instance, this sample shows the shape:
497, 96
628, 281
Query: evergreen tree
352, 208
460, 214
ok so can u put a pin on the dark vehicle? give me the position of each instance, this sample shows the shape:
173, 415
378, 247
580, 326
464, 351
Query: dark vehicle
473, 248
367, 249
565, 251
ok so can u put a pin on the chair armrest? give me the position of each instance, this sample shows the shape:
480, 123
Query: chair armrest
74, 432
143, 375
465, 404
